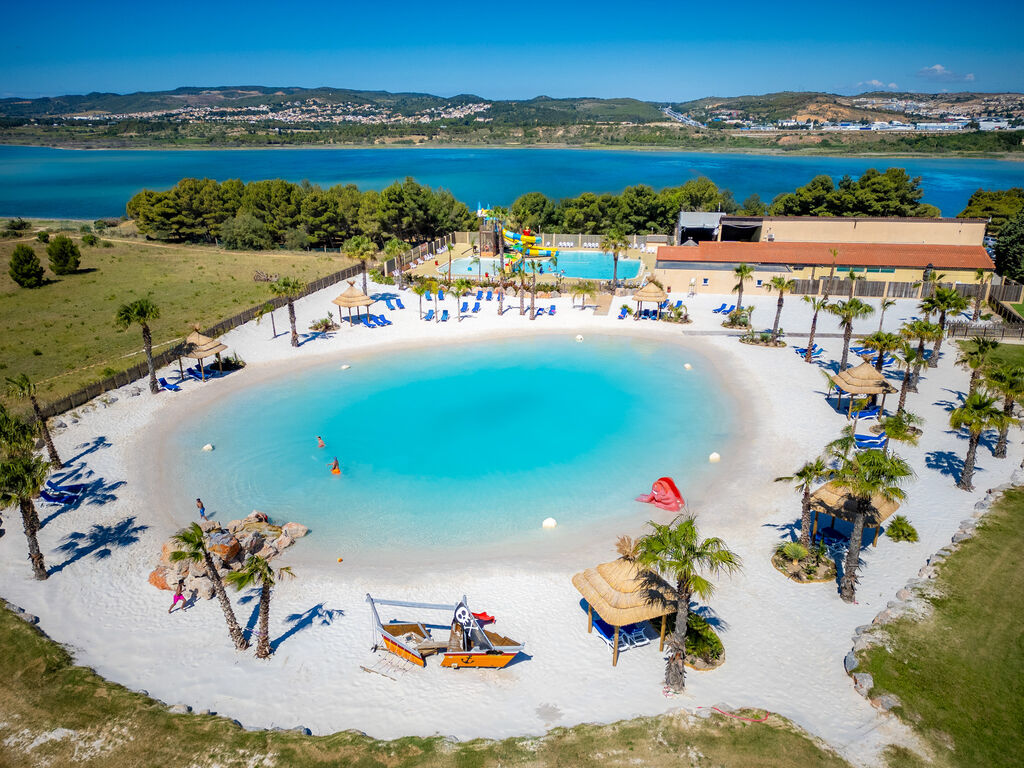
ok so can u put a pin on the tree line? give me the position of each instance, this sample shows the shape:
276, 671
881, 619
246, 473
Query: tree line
266, 214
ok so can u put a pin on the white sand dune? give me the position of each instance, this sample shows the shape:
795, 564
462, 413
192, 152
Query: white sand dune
785, 643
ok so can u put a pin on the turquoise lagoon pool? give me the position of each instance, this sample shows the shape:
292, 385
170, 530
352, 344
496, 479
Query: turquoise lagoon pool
459, 445
588, 265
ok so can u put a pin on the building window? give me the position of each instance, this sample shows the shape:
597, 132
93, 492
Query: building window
704, 282
760, 283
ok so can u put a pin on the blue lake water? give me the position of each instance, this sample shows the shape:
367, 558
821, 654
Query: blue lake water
459, 445
45, 182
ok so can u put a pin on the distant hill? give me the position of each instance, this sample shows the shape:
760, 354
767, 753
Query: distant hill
786, 105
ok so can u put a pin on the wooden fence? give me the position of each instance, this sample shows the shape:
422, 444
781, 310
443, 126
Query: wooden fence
985, 330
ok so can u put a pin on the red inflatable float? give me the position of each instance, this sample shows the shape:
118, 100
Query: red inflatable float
664, 495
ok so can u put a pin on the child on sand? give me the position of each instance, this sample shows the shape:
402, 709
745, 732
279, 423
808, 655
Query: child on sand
178, 596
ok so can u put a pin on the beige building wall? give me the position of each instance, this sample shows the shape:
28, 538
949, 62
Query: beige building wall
721, 281
853, 230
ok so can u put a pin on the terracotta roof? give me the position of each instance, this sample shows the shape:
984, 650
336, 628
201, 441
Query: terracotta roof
912, 256
920, 220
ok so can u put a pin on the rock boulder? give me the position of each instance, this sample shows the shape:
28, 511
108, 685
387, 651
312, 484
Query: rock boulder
160, 577
862, 682
165, 551
268, 552
224, 545
295, 530
283, 542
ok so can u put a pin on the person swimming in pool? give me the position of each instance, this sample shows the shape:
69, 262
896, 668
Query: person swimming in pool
320, 442
335, 469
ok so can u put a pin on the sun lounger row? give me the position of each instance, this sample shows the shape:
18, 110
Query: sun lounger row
723, 310
871, 442
630, 636
815, 352
397, 303
550, 310
868, 413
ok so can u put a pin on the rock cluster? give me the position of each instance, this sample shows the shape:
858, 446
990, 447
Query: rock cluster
229, 547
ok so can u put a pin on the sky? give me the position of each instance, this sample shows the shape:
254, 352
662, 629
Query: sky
672, 50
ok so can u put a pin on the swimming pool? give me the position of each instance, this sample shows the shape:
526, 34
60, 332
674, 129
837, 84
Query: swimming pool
449, 446
589, 265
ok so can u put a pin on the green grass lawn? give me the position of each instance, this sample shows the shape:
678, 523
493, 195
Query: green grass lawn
41, 691
960, 673
63, 336
1004, 353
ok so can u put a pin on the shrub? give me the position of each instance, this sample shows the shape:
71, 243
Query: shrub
245, 232
43, 237
900, 529
26, 270
701, 639
64, 255
323, 324
90, 239
17, 225
106, 244
85, 229
793, 550
99, 225
296, 240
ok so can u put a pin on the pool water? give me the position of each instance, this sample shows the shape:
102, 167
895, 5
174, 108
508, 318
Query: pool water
588, 265
450, 446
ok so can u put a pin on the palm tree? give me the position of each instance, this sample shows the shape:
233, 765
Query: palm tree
886, 304
976, 359
141, 312
420, 289
867, 474
984, 277
831, 273
433, 286
362, 249
944, 300
459, 289
882, 343
848, 312
23, 388
908, 359
901, 427
809, 474
922, 332
21, 478
1008, 380
267, 309
817, 305
533, 289
743, 273
853, 277
476, 262
781, 285
192, 549
976, 414
676, 551
290, 288
257, 572
614, 242
393, 249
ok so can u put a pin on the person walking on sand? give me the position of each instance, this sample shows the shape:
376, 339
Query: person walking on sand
320, 442
202, 509
178, 596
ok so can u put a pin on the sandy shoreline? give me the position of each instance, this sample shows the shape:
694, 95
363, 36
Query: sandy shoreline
784, 642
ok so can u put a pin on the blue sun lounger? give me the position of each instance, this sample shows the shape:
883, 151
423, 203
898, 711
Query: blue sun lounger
679, 304
539, 312
429, 315
440, 295
551, 309
427, 296
381, 320
399, 304
57, 497
719, 310
868, 413
479, 295
168, 386
607, 633
476, 306
490, 295
465, 307
729, 310
370, 321
389, 305
444, 316
622, 313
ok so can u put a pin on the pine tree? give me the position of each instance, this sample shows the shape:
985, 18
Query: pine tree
25, 268
64, 255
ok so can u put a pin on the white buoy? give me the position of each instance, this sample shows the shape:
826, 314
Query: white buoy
208, 447
345, 367
714, 458
687, 366
579, 337
549, 522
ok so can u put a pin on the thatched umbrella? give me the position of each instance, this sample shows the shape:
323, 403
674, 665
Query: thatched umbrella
862, 380
650, 292
835, 500
352, 297
622, 593
198, 346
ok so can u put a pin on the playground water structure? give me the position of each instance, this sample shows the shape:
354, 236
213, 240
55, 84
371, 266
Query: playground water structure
432, 486
584, 265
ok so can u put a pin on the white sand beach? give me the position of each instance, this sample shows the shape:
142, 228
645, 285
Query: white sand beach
784, 642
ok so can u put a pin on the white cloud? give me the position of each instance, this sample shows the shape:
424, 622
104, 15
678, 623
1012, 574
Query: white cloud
877, 84
939, 73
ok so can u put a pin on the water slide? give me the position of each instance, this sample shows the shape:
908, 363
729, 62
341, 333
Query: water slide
526, 244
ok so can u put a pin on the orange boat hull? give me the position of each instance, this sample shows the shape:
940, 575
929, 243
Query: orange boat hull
404, 653
481, 660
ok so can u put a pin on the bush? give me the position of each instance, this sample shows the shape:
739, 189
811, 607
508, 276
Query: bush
43, 237
64, 255
900, 529
701, 639
26, 270
324, 324
296, 240
85, 229
90, 239
99, 225
245, 232
793, 550
17, 225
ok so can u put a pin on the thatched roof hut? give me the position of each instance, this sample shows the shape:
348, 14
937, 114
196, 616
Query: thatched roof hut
622, 593
650, 292
352, 297
863, 379
835, 500
197, 346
